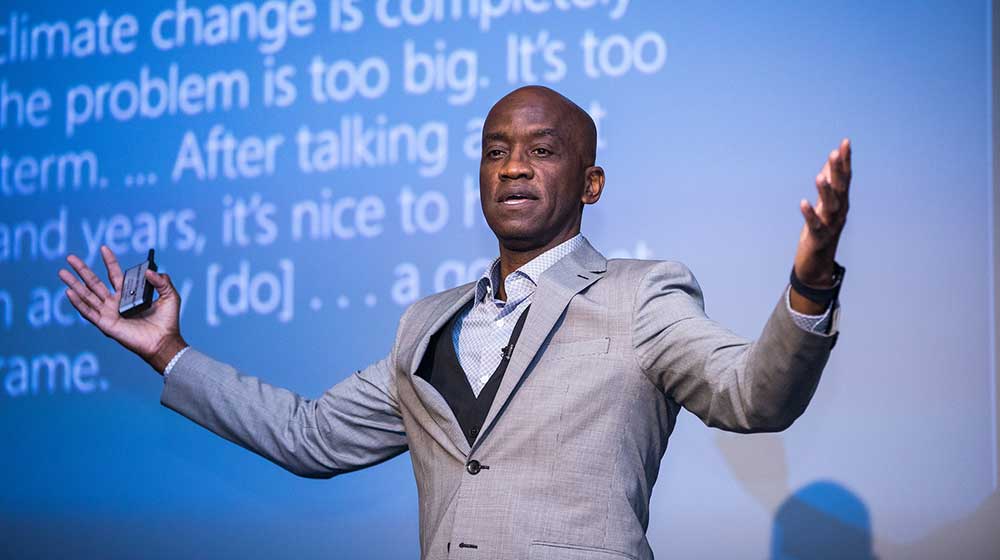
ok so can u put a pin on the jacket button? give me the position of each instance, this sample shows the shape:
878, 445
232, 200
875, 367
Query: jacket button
473, 467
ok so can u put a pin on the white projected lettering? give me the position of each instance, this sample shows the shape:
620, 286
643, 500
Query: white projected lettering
29, 174
19, 110
616, 55
222, 155
48, 374
522, 51
357, 143
285, 126
237, 212
454, 73
424, 212
342, 80
270, 23
152, 96
124, 233
262, 292
22, 40
33, 240
6, 310
415, 13
343, 218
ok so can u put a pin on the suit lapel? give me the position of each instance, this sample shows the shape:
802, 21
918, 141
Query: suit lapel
435, 319
435, 405
556, 288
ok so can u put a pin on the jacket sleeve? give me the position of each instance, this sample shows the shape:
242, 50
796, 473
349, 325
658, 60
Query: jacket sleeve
354, 424
727, 381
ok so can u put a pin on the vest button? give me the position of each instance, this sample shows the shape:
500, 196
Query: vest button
473, 467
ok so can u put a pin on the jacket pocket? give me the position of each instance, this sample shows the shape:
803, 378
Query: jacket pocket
539, 550
589, 347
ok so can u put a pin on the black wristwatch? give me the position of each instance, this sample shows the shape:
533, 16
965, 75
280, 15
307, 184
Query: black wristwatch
822, 296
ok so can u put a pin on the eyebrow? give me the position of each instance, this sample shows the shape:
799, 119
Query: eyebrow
545, 132
500, 136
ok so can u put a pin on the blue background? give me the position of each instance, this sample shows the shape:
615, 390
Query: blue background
706, 160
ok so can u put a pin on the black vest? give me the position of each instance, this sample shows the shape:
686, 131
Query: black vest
440, 367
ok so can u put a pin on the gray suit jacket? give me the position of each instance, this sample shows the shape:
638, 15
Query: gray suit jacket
572, 445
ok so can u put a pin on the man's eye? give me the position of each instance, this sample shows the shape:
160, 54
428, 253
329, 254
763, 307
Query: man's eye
543, 151
494, 153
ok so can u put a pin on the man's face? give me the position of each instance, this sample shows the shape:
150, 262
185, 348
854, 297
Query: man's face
532, 178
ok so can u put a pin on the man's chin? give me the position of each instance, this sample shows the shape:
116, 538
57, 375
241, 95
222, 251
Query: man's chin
523, 239
519, 239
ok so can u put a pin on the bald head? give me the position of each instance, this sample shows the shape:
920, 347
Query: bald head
574, 122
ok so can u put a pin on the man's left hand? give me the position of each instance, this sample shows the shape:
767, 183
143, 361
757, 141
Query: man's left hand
824, 224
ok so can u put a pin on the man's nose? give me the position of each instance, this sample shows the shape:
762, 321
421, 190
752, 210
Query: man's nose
516, 167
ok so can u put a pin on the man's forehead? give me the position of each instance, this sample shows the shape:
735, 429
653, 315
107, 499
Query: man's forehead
501, 133
527, 118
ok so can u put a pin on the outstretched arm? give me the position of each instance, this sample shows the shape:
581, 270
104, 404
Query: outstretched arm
354, 424
728, 381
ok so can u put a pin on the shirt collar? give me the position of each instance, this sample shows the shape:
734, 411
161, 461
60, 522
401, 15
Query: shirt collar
521, 283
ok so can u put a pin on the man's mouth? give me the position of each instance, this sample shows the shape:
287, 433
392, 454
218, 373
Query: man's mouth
516, 197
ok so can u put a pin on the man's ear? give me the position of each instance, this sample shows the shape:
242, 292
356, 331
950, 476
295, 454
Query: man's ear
594, 184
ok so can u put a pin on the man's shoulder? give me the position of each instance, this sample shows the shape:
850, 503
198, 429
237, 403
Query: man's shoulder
644, 280
635, 271
651, 284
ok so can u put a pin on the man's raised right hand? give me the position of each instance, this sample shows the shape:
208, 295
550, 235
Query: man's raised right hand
154, 335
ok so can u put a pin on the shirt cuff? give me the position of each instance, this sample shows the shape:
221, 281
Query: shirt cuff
819, 324
173, 362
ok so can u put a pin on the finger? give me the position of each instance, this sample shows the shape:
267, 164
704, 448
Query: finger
837, 178
845, 156
825, 172
809, 213
82, 292
93, 282
114, 269
81, 306
828, 199
845, 167
161, 282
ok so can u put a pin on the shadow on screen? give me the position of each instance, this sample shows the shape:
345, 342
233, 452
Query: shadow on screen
822, 520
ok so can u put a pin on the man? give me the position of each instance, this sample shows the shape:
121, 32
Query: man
537, 402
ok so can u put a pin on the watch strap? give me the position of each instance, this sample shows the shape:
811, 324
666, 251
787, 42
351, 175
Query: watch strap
822, 296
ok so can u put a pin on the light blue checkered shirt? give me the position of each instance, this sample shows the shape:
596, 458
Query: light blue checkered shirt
482, 332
